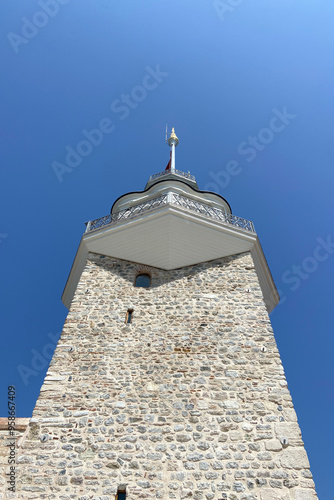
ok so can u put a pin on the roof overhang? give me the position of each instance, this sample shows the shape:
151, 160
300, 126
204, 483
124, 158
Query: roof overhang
168, 238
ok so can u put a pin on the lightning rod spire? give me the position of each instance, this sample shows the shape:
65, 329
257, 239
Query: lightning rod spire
173, 142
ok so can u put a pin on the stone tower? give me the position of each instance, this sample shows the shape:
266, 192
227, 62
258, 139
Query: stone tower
166, 382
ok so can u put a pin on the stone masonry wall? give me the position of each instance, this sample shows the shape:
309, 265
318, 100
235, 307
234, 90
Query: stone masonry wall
6, 439
189, 401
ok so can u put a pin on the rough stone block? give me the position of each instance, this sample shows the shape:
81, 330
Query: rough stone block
303, 494
294, 458
273, 445
274, 494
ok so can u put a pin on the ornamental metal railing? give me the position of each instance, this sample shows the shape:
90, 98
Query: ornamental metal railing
212, 212
128, 213
171, 199
177, 172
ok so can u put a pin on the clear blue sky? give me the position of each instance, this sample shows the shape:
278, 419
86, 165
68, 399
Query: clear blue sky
249, 89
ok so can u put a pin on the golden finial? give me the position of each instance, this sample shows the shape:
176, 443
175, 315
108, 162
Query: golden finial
172, 138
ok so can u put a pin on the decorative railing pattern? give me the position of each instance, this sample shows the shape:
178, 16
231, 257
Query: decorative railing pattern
128, 213
171, 199
212, 212
177, 172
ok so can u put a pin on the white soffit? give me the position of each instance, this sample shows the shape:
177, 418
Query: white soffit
169, 238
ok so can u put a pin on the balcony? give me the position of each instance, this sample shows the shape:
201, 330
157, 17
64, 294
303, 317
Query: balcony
176, 200
175, 172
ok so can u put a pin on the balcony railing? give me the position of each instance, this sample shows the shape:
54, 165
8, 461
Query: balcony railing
177, 172
171, 199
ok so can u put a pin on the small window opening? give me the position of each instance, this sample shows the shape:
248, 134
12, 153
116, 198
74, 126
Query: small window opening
129, 315
143, 281
121, 495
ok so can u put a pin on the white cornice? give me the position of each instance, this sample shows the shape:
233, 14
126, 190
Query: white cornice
168, 238
171, 186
